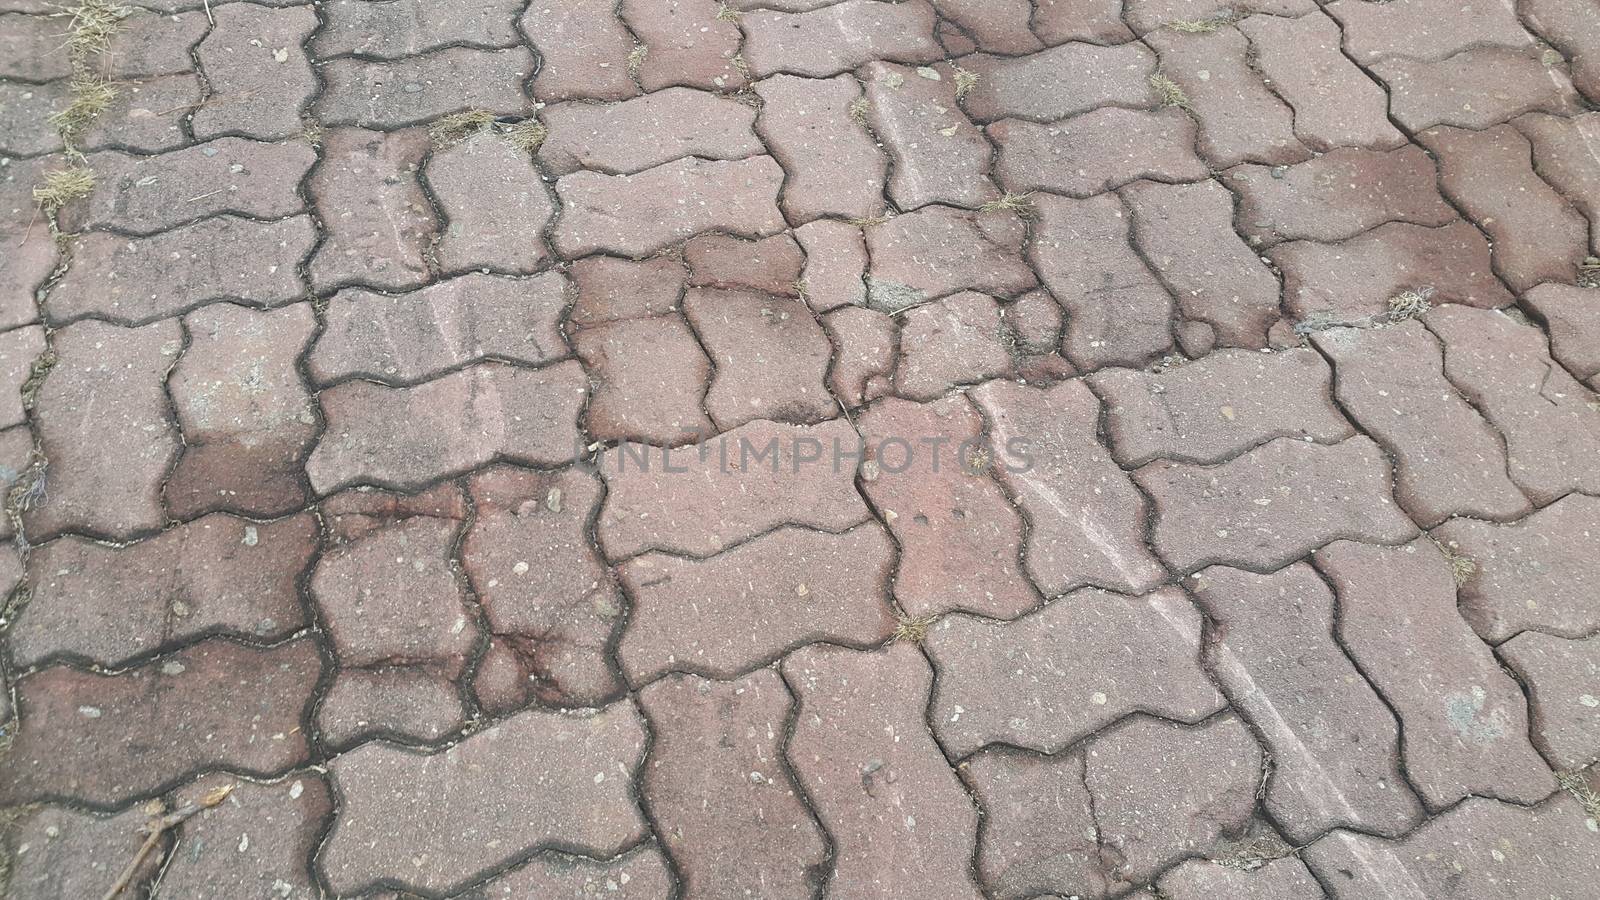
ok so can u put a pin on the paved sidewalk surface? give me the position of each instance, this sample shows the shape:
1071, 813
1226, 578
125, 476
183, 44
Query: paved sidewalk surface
798, 448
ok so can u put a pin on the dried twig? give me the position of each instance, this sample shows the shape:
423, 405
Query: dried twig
159, 825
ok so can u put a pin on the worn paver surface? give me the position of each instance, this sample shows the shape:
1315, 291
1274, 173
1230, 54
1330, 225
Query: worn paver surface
678, 449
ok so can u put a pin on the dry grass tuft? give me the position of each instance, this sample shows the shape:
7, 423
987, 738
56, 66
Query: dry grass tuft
1589, 272
1462, 568
1021, 204
62, 187
636, 59
1410, 304
527, 135
965, 82
456, 127
913, 630
858, 110
726, 13
93, 24
91, 94
867, 221
1168, 91
1575, 784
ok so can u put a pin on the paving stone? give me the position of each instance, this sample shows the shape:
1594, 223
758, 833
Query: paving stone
1426, 29
1084, 661
636, 215
718, 787
1162, 792
1096, 152
30, 46
31, 253
104, 425
938, 251
864, 354
1532, 575
377, 222
1274, 504
1149, 15
1093, 21
688, 42
583, 50
770, 266
255, 843
1353, 281
106, 739
999, 26
634, 135
148, 44
495, 205
836, 263
1335, 103
1481, 848
1465, 720
838, 37
955, 41
16, 456
809, 125
1241, 120
56, 853
1474, 89
1063, 81
1560, 677
611, 289
544, 592
936, 155
1537, 235
410, 91
142, 195
639, 874
247, 419
728, 489
1039, 831
25, 109
770, 357
19, 349
1086, 518
1338, 195
1448, 461
146, 115
407, 437
1562, 157
898, 816
137, 280
573, 768
1117, 312
1564, 24
724, 616
1185, 232
649, 381
960, 538
253, 91
1284, 878
360, 511
405, 27
1572, 318
1335, 746
1547, 418
407, 338
1034, 321
409, 701
1220, 406
954, 341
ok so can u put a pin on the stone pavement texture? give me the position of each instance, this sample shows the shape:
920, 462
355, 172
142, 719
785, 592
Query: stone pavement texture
679, 449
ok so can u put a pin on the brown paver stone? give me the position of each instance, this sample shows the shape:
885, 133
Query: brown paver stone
16, 456
634, 135
1220, 406
1097, 151
899, 818
57, 853
438, 822
1335, 103
405, 27
584, 50
255, 843
686, 42
145, 43
864, 354
19, 348
960, 538
611, 289
1335, 745
639, 874
147, 115
540, 581
1087, 519
407, 437
1481, 848
1537, 235
937, 251
936, 154
1476, 88
636, 215
838, 37
412, 90
835, 264
809, 125
999, 26
1564, 156
1537, 574
257, 71
31, 252
1465, 720
727, 615
1039, 831
771, 265
1094, 21
495, 206
1148, 15
1338, 195
109, 605
1082, 662
104, 425
106, 739
1550, 422
702, 499
1117, 312
31, 48
411, 701
376, 220
25, 110
1572, 317
1185, 232
649, 381
1565, 23
407, 338
137, 280
1426, 29
1284, 878
1448, 461
770, 357
957, 340
1062, 81
247, 419
1560, 676
1274, 504
1241, 120
720, 792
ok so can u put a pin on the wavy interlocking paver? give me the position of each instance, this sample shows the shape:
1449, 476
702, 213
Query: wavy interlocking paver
1338, 195
1573, 319
1285, 878
1335, 104
255, 842
1475, 89
62, 852
637, 215
1063, 81
376, 221
835, 267
636, 134
413, 89
771, 265
686, 43
611, 289
246, 41
1241, 119
863, 364
825, 40
769, 356
648, 381
494, 203
406, 27
954, 341
935, 154
939, 250
809, 126
1039, 832
1097, 151
1563, 155
1559, 675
